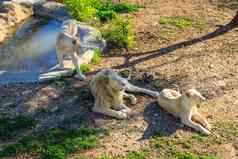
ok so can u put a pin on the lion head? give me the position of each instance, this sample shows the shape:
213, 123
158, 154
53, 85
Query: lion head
193, 97
110, 79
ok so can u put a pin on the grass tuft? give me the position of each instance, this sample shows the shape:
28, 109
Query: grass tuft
82, 10
9, 127
86, 10
141, 154
181, 22
85, 68
58, 143
118, 33
96, 57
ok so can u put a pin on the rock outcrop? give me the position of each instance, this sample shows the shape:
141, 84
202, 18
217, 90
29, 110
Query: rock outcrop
11, 14
51, 9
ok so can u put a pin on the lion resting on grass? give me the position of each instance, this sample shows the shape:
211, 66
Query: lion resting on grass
184, 107
108, 89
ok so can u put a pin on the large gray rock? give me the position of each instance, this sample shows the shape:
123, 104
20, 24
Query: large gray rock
52, 10
29, 2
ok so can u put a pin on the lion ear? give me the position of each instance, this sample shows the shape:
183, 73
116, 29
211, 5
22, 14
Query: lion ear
187, 93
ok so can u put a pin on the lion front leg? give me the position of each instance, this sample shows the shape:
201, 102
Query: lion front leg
110, 112
187, 121
60, 58
77, 63
132, 98
198, 118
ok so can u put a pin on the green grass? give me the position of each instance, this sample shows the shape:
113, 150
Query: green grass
55, 152
86, 10
58, 143
110, 10
118, 33
141, 154
82, 10
188, 155
116, 30
9, 127
85, 68
97, 57
181, 22
174, 148
183, 147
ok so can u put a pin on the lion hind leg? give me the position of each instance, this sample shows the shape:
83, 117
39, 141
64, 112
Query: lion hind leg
110, 112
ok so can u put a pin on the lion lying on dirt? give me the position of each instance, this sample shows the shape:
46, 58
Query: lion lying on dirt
108, 89
184, 107
68, 43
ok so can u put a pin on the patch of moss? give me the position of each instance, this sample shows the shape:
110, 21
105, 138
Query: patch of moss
181, 22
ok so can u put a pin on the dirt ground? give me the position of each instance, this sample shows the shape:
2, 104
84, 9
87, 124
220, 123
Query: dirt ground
211, 66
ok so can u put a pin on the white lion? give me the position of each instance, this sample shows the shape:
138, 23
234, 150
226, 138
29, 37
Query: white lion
68, 43
108, 89
184, 107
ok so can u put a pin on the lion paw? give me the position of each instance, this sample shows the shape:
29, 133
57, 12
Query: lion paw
133, 100
126, 110
156, 94
80, 77
122, 115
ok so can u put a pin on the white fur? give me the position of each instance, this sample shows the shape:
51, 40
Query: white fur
184, 107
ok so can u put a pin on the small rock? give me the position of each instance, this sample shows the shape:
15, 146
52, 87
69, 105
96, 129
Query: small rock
26, 92
52, 9
156, 114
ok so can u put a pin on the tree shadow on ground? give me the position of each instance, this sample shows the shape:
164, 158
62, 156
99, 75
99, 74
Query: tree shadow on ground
160, 52
70, 109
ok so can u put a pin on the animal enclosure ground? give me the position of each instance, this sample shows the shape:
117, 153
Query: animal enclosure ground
157, 60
